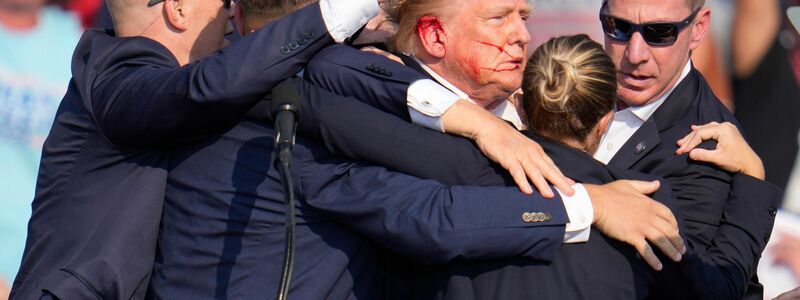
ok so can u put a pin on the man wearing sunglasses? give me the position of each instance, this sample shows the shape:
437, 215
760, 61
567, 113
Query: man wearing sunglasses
149, 85
661, 96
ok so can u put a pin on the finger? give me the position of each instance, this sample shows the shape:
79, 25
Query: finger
682, 143
553, 175
645, 187
666, 214
539, 182
703, 155
649, 256
673, 236
692, 140
520, 179
662, 242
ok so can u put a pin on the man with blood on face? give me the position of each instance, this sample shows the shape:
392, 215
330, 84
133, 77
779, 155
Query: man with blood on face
479, 46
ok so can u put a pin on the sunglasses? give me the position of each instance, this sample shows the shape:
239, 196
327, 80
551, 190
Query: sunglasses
654, 34
225, 3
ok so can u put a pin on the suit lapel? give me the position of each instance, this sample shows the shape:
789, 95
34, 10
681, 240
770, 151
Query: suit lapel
642, 142
648, 137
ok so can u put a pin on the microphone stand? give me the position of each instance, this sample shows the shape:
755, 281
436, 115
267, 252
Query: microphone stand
285, 101
283, 164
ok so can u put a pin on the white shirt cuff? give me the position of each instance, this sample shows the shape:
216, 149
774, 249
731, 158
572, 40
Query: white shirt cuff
344, 17
581, 214
426, 121
428, 101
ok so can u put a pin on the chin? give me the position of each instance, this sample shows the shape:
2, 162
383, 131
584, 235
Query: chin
635, 98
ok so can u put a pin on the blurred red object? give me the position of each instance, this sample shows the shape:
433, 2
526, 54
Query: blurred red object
86, 10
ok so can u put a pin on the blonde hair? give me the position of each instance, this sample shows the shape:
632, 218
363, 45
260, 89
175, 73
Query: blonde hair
569, 85
407, 14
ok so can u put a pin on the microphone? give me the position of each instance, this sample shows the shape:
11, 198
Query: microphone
285, 111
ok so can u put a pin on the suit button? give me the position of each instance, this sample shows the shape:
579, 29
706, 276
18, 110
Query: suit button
370, 67
527, 217
773, 211
293, 45
309, 35
285, 50
302, 41
389, 73
641, 147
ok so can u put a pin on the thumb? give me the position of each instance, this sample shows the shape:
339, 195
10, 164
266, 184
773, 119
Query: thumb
645, 187
700, 154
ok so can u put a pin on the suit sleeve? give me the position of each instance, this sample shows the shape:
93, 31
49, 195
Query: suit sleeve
431, 222
142, 99
723, 269
370, 78
353, 129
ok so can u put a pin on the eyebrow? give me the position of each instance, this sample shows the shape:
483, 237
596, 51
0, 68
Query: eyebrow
505, 10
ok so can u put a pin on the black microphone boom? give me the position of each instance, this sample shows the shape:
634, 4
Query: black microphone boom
285, 104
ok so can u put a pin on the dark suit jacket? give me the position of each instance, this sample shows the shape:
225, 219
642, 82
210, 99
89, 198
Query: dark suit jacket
347, 135
701, 189
101, 182
222, 233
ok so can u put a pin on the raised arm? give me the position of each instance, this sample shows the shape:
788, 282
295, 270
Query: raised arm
140, 100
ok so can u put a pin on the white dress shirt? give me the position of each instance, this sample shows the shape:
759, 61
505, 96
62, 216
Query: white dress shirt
627, 121
344, 17
429, 100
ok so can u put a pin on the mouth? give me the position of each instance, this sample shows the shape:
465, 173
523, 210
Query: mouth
631, 80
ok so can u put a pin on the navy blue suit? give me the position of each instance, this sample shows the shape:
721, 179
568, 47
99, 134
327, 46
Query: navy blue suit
346, 135
103, 173
222, 231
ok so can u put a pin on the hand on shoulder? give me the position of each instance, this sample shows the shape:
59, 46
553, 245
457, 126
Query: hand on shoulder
732, 154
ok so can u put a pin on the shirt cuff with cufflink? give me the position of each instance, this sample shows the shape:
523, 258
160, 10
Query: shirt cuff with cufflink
580, 213
427, 102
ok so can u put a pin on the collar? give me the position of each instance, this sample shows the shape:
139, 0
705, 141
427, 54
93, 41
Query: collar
507, 110
644, 112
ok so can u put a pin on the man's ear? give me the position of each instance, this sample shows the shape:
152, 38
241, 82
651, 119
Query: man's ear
432, 36
602, 126
175, 15
700, 28
238, 19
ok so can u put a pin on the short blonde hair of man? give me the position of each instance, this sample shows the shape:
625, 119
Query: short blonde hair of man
406, 14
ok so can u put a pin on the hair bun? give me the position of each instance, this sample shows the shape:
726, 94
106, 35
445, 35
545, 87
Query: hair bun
559, 79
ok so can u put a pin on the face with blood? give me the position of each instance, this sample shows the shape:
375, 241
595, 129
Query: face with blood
483, 46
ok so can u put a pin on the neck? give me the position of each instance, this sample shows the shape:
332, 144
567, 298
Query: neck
577, 145
19, 18
171, 39
485, 96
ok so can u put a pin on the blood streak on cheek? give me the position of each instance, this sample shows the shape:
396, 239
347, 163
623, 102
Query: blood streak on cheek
499, 48
430, 23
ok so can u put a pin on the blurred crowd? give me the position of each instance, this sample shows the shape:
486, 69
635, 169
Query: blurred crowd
752, 63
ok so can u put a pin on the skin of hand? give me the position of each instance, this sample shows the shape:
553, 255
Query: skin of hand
624, 212
787, 252
384, 53
732, 154
790, 295
518, 154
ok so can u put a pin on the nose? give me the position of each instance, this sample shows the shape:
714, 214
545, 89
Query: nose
519, 33
637, 51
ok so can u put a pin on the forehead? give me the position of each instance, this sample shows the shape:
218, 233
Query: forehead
472, 7
646, 11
